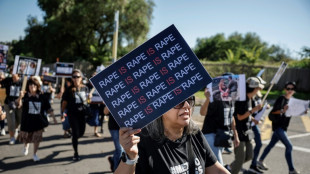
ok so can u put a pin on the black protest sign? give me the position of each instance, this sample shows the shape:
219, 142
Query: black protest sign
151, 79
64, 69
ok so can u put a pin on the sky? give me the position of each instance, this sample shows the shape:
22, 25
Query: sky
281, 22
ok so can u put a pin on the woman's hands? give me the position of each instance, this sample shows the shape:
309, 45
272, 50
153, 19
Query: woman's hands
129, 141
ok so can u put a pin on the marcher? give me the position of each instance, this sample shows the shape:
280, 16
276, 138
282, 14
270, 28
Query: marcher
2, 118
47, 90
244, 117
114, 131
218, 115
74, 100
279, 127
167, 145
64, 119
34, 119
12, 87
257, 134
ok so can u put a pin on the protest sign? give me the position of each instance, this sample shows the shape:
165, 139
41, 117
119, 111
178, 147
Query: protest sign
49, 78
260, 73
275, 79
45, 70
227, 88
296, 107
151, 79
260, 114
27, 66
95, 99
3, 56
64, 69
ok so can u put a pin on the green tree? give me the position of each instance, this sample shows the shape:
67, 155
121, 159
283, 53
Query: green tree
83, 29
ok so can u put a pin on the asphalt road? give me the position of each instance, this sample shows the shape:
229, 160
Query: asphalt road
56, 152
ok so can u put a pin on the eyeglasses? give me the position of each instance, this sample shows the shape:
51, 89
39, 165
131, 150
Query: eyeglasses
190, 101
290, 89
75, 77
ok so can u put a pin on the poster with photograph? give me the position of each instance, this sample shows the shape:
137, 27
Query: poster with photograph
64, 69
45, 70
227, 88
26, 66
3, 56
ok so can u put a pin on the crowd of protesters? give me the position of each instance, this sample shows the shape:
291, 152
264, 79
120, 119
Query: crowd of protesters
164, 145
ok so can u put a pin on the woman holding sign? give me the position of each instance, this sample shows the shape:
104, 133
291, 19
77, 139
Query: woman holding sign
74, 99
167, 145
279, 127
34, 120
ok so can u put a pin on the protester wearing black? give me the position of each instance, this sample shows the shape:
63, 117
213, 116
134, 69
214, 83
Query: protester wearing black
35, 106
218, 115
12, 87
243, 117
279, 127
74, 100
170, 144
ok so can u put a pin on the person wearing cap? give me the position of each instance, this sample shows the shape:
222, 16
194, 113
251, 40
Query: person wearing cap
254, 167
244, 111
279, 127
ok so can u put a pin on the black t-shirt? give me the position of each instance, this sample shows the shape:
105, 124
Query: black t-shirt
12, 89
172, 157
241, 107
46, 92
75, 99
30, 117
219, 116
281, 121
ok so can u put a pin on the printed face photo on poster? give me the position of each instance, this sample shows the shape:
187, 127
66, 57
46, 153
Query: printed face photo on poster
27, 66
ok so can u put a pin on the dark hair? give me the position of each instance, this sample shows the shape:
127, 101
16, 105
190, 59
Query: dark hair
290, 83
35, 82
248, 88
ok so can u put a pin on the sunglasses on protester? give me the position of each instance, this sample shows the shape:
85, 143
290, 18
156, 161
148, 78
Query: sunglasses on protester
190, 101
75, 77
290, 89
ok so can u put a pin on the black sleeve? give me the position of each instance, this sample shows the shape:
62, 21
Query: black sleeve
278, 104
240, 107
142, 166
210, 158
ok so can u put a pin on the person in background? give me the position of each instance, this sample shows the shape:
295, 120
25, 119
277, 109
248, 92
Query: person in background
73, 100
2, 118
244, 117
114, 131
64, 118
279, 127
95, 106
47, 90
257, 134
12, 87
35, 106
218, 115
167, 145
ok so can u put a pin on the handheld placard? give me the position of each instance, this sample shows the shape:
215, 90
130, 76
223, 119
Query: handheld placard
275, 79
151, 79
25, 78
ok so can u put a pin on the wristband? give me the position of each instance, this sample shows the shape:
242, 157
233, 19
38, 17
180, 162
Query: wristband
128, 161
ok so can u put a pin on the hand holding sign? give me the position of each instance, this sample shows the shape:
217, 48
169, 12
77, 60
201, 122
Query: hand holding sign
151, 79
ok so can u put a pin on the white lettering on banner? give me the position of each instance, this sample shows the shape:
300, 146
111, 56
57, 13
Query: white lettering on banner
109, 79
171, 51
123, 112
184, 71
145, 83
115, 89
187, 84
142, 70
136, 61
156, 90
162, 100
178, 61
121, 99
164, 42
134, 119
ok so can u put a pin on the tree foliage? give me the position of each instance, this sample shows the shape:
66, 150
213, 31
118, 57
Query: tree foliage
238, 48
83, 29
